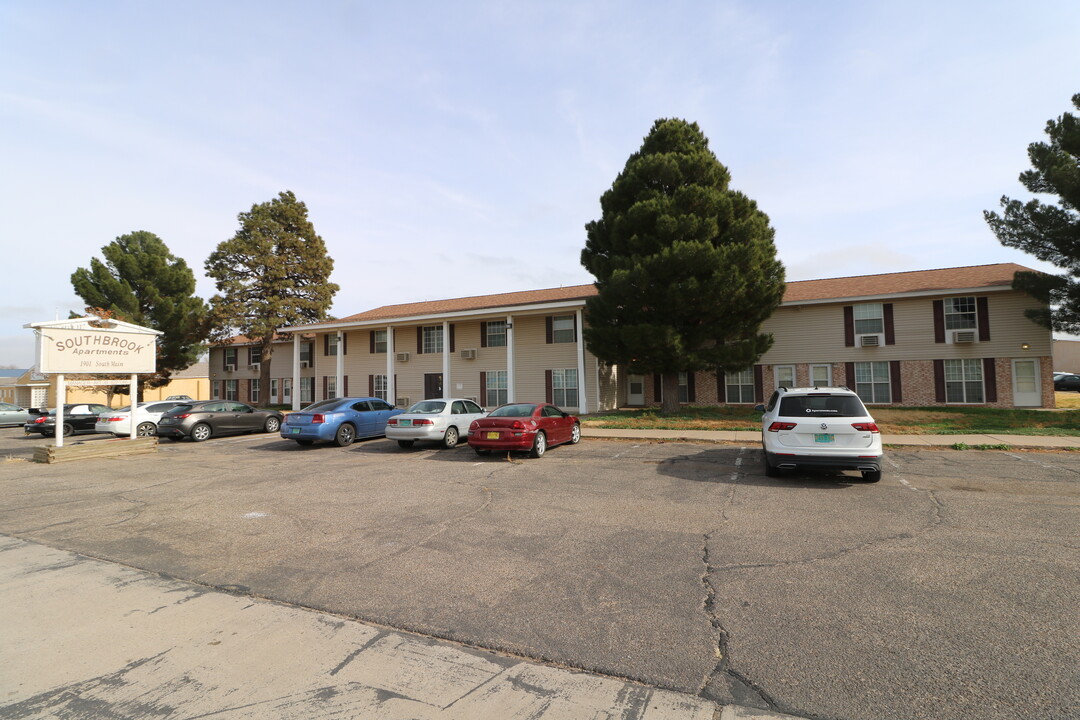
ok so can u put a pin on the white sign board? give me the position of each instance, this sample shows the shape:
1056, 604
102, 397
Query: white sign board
93, 350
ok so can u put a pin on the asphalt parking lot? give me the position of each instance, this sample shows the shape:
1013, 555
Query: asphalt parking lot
947, 590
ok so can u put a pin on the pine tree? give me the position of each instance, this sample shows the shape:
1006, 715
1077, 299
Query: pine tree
274, 272
142, 282
685, 267
1049, 232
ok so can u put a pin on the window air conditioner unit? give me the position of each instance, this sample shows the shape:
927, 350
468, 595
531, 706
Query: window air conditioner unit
401, 357
305, 364
255, 366
469, 354
963, 336
402, 402
869, 340
230, 367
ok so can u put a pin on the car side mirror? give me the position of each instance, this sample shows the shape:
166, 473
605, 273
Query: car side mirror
760, 408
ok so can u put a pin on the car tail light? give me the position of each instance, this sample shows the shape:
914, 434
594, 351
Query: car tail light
866, 427
318, 418
41, 419
518, 425
182, 417
392, 421
778, 426
422, 422
112, 419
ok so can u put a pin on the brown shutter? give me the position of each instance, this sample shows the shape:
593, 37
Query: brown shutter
344, 349
550, 329
325, 386
326, 345
982, 312
548, 386
451, 338
691, 390
420, 340
721, 387
759, 385
345, 386
657, 387
939, 380
483, 389
371, 385
890, 329
247, 391
894, 377
849, 326
575, 327
849, 375
483, 334
939, 325
371, 342
989, 375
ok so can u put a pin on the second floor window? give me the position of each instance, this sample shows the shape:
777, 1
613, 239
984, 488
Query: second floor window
496, 333
305, 354
433, 341
256, 355
378, 341
562, 329
869, 318
331, 344
230, 356
960, 313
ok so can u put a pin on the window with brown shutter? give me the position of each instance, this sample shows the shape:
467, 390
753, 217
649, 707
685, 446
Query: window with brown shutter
894, 377
849, 326
989, 376
483, 336
982, 310
890, 328
939, 381
939, 336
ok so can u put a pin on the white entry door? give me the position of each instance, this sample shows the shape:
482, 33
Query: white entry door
1025, 381
635, 393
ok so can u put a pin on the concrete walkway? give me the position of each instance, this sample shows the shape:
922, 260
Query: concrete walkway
80, 637
749, 437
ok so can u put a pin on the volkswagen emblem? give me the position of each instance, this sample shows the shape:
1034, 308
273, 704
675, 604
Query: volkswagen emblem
824, 426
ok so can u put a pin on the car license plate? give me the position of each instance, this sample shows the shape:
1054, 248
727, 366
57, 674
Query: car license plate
824, 437
295, 431
405, 423
492, 436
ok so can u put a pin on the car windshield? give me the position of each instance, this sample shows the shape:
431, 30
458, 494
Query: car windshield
428, 407
324, 405
821, 405
513, 411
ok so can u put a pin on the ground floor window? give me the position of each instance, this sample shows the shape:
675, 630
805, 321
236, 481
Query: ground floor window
495, 388
821, 375
564, 387
255, 386
331, 387
785, 376
273, 390
964, 381
740, 386
872, 382
684, 387
307, 389
378, 385
215, 390
286, 390
232, 390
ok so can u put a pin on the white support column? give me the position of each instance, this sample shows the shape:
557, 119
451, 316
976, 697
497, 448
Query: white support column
391, 386
61, 398
583, 396
446, 359
296, 371
339, 386
134, 394
509, 358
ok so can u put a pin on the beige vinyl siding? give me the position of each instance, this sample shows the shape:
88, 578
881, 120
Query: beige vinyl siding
533, 356
815, 333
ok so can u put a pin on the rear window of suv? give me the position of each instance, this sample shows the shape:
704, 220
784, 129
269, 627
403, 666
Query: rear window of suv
822, 404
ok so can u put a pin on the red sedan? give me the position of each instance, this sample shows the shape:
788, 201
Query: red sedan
523, 426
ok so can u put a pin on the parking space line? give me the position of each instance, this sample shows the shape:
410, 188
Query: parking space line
899, 477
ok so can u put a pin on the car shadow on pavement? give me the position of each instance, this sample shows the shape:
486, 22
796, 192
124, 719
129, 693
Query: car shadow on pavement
721, 465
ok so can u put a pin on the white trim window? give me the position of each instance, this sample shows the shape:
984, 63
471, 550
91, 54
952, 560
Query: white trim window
332, 344
331, 387
869, 318
215, 390
286, 390
496, 333
256, 385
433, 339
380, 342
273, 390
960, 313
784, 375
564, 387
307, 389
305, 354
562, 329
232, 390
872, 382
740, 386
230, 356
821, 375
684, 387
964, 381
378, 383
255, 355
495, 388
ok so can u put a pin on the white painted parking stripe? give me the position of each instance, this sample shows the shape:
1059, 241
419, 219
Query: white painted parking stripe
903, 482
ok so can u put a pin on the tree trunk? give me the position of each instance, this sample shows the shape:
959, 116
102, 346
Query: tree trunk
267, 346
670, 404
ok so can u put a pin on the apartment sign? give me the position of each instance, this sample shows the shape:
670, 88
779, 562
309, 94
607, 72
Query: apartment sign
95, 350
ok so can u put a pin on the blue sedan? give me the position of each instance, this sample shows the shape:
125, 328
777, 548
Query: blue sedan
340, 420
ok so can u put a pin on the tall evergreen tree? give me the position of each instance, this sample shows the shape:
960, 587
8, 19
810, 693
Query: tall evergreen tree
1049, 232
274, 272
142, 282
685, 266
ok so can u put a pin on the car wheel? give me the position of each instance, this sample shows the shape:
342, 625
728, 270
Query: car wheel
345, 435
871, 476
770, 470
450, 439
146, 429
304, 442
539, 445
575, 434
482, 451
201, 432
405, 443
272, 425
68, 429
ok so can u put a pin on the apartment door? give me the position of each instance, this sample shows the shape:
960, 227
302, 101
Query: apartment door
433, 385
635, 393
1025, 381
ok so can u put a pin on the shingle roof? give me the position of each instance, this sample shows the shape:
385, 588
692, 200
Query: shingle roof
478, 302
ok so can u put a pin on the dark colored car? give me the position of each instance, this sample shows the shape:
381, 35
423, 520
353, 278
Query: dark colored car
339, 420
523, 426
209, 418
78, 418
1067, 382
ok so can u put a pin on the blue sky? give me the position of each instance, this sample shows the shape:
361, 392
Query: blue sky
452, 149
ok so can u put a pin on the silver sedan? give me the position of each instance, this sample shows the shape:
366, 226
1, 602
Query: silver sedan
445, 420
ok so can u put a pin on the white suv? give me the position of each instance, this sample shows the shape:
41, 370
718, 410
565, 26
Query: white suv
824, 427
